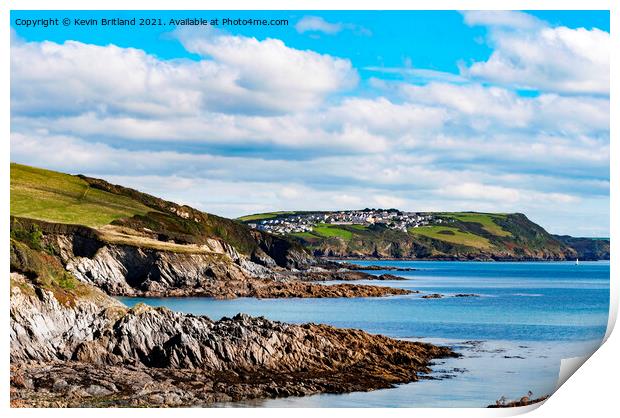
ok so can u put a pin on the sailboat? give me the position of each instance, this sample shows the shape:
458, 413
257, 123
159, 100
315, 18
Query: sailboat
577, 262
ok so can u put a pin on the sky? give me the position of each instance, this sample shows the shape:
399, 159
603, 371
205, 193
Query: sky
420, 110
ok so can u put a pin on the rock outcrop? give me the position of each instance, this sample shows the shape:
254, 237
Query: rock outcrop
122, 262
221, 273
91, 351
72, 344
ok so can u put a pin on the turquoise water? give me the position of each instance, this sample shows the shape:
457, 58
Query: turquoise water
527, 317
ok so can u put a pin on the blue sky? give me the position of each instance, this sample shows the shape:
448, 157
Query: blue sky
431, 39
493, 111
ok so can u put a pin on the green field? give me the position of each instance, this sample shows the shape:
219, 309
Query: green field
262, 216
486, 220
330, 231
56, 197
452, 235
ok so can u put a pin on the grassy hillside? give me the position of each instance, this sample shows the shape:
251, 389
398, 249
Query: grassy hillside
261, 216
490, 222
464, 235
57, 197
131, 217
452, 235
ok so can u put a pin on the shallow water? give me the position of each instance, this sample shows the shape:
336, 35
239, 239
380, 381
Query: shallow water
512, 336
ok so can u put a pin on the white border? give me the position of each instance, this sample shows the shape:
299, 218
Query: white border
593, 391
309, 5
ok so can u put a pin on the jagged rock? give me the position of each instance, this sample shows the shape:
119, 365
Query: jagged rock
128, 270
433, 296
124, 262
323, 275
100, 351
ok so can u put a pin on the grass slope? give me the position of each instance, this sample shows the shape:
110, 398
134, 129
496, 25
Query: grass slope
262, 216
326, 230
126, 216
486, 220
62, 198
452, 235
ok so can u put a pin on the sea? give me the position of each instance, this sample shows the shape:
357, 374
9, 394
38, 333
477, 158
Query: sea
525, 318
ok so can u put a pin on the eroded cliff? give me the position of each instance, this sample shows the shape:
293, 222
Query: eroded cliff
125, 264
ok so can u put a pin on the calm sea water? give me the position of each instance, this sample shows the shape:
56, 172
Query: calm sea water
527, 317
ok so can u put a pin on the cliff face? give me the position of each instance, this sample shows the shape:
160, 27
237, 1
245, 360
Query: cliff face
131, 271
411, 248
124, 264
98, 351
587, 248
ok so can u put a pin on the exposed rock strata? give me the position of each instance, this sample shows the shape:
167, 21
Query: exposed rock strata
125, 270
94, 351
122, 263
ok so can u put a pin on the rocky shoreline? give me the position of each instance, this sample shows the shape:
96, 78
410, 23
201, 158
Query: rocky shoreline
90, 350
79, 384
355, 267
268, 289
222, 273
73, 345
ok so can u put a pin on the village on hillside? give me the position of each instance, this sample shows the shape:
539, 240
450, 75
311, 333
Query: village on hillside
306, 222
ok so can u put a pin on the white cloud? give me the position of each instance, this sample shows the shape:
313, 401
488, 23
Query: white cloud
478, 106
294, 132
420, 74
317, 24
242, 75
530, 54
492, 193
423, 169
474, 101
353, 126
276, 75
384, 117
257, 125
501, 18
